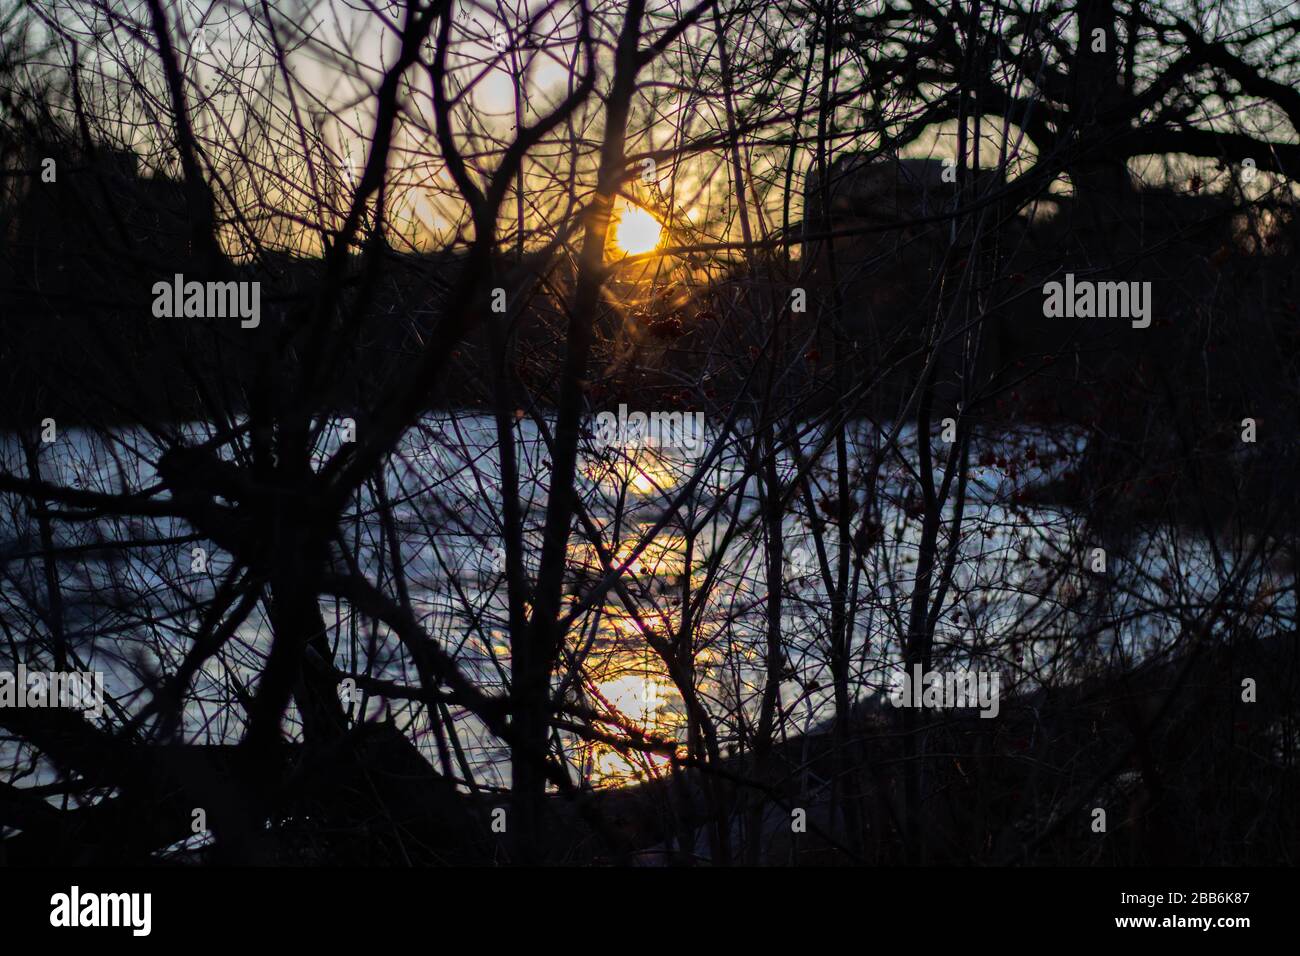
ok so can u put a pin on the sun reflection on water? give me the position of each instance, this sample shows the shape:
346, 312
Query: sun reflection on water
633, 690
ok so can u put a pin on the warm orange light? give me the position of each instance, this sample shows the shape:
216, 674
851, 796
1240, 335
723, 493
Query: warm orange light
637, 231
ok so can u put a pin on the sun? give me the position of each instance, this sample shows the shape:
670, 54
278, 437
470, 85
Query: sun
637, 231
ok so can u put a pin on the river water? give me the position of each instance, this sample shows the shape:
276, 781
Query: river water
1019, 602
